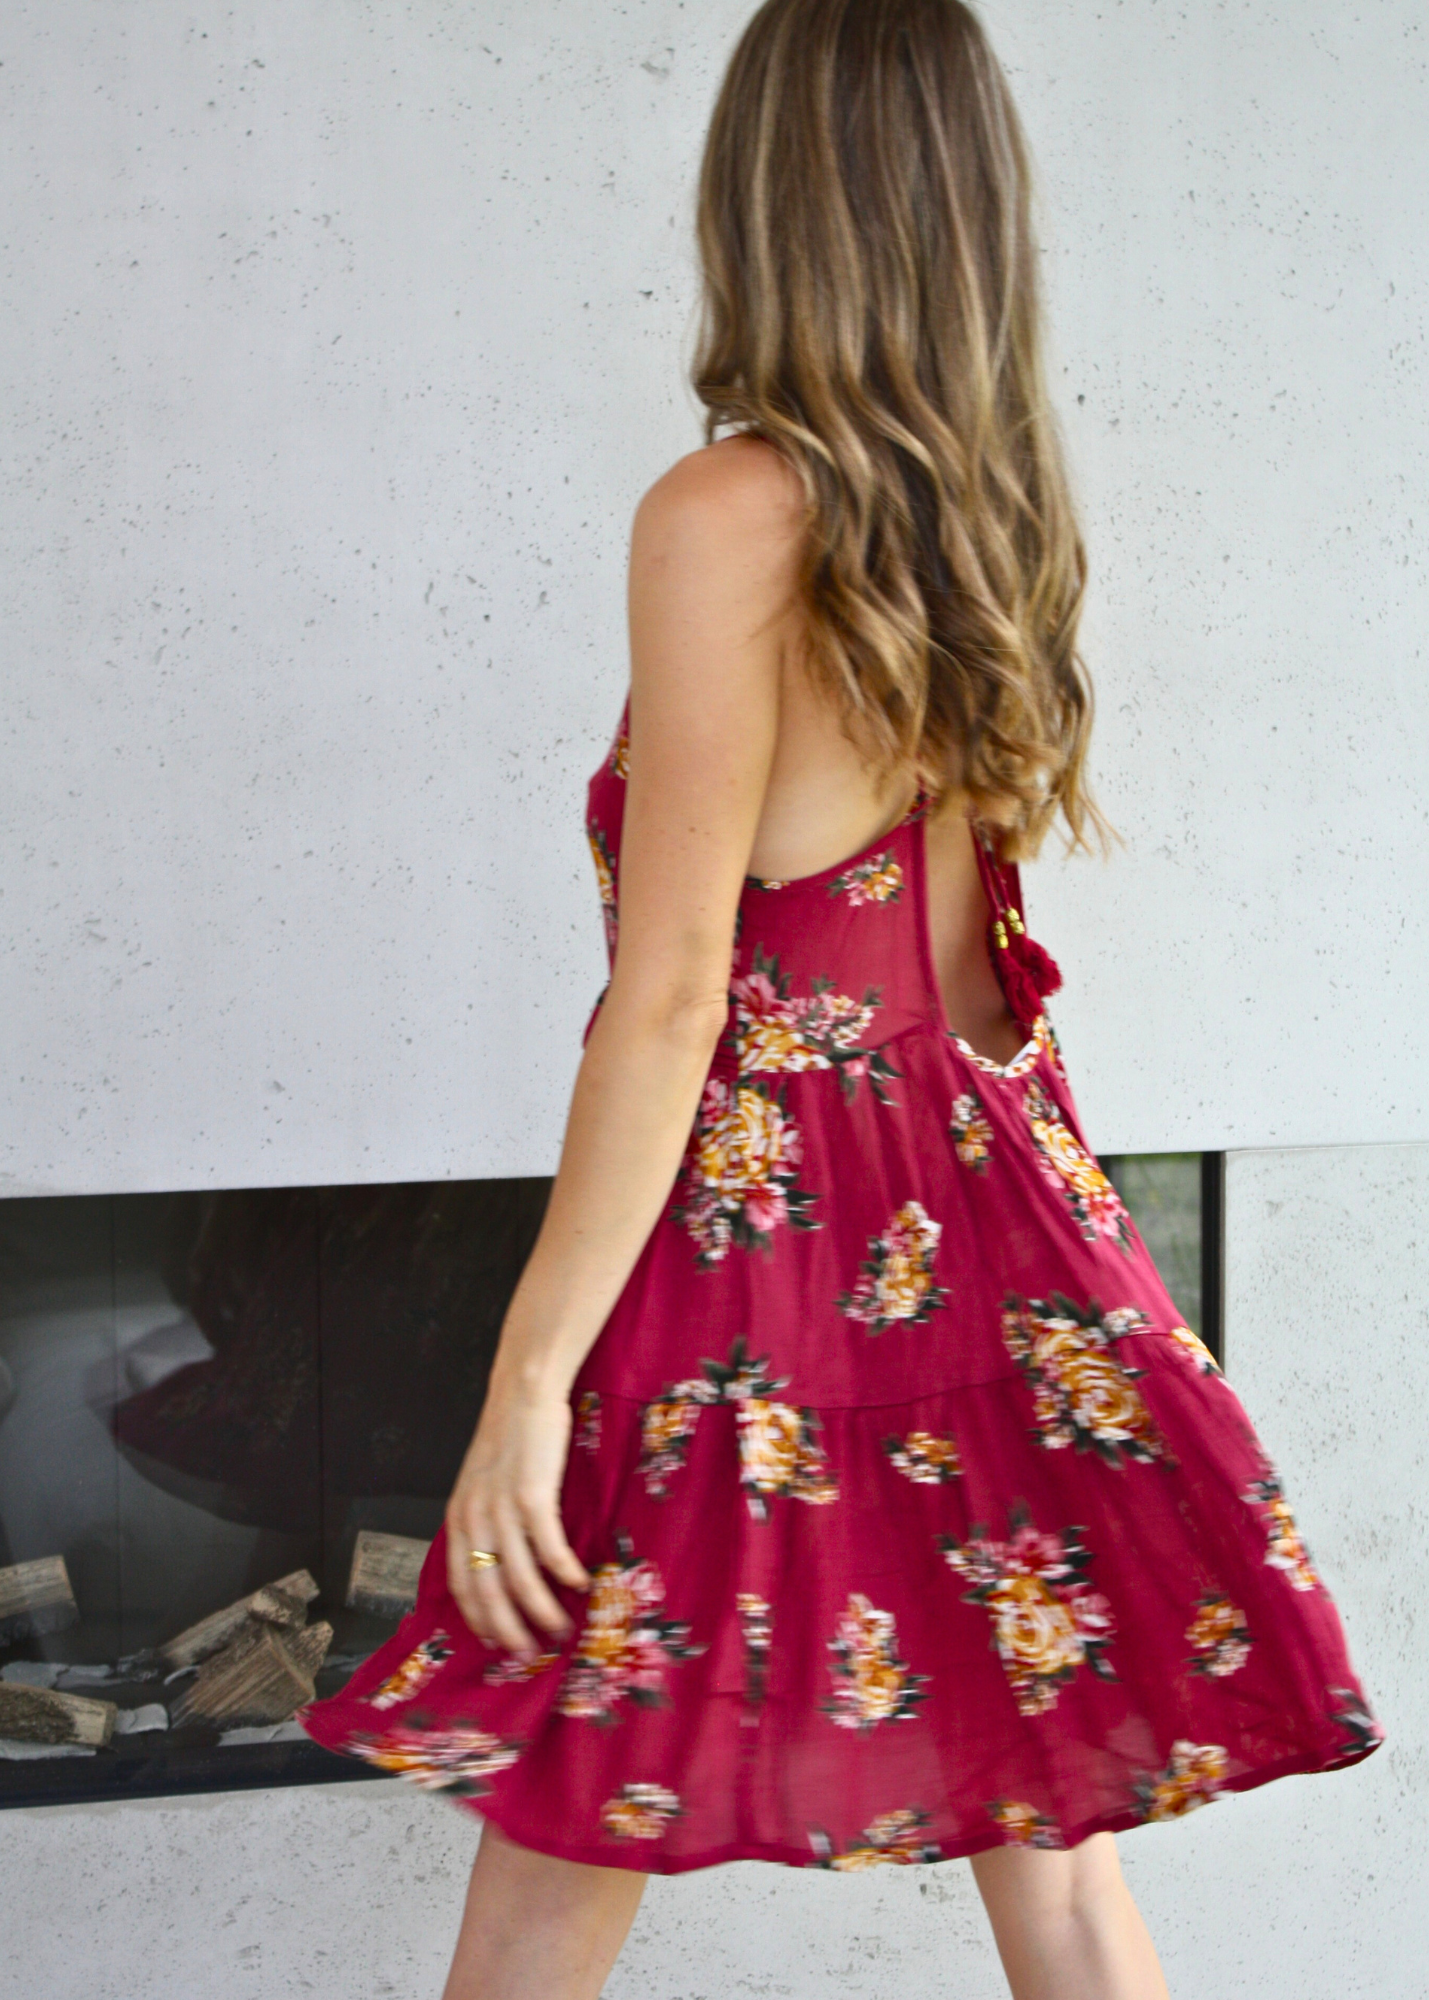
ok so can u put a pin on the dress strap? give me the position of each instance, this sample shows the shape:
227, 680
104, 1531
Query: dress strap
1026, 973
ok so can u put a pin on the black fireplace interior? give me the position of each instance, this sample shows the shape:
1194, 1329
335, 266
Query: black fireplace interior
228, 1425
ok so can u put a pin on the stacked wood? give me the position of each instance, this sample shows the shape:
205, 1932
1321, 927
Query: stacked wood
283, 1603
36, 1597
384, 1573
43, 1715
265, 1673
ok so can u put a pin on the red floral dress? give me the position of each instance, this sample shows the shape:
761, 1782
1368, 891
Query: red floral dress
918, 1521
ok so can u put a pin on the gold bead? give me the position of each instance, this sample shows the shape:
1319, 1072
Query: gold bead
999, 931
1015, 922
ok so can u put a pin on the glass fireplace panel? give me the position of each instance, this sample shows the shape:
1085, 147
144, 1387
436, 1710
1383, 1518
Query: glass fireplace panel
202, 1395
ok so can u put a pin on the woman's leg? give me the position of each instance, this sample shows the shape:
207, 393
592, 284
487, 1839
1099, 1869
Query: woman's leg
1066, 1926
536, 1928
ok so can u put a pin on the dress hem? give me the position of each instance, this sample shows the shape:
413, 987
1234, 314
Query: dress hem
684, 1864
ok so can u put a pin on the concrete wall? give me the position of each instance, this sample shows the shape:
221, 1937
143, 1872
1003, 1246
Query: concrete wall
339, 339
1311, 1889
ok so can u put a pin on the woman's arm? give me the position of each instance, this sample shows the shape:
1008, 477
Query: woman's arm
713, 558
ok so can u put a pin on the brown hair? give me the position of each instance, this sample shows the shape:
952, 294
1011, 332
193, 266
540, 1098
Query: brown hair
871, 308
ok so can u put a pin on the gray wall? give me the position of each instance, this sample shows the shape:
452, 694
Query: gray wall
1311, 1889
340, 340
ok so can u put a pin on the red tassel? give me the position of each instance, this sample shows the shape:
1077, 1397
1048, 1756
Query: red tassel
1041, 967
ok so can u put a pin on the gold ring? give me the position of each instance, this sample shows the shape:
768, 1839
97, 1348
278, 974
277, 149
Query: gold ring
483, 1559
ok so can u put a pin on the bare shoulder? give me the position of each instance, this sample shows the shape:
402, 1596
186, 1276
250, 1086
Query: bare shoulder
739, 496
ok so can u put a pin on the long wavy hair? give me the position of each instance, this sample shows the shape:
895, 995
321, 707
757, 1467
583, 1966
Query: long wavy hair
871, 308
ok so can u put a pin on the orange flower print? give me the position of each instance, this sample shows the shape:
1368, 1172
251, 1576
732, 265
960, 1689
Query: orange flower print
756, 1625
1196, 1350
894, 1837
666, 1428
1095, 1204
879, 879
414, 1673
1081, 1394
871, 1683
619, 758
1023, 1826
776, 1034
925, 1459
1046, 1619
895, 1281
640, 1812
1218, 1637
1284, 1548
513, 1671
779, 1452
624, 1643
1192, 1778
972, 1133
741, 1172
463, 1759
587, 1425
605, 882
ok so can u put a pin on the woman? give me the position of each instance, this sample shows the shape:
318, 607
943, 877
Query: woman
848, 1489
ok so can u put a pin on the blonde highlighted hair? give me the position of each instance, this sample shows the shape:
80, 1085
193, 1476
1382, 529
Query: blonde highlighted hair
871, 308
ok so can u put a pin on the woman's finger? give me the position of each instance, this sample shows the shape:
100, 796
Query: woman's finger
525, 1582
548, 1537
502, 1620
461, 1578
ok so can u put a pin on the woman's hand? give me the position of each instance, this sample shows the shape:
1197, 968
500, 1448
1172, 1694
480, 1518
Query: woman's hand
507, 1500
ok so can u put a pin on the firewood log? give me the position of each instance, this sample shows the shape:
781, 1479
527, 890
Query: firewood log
384, 1573
36, 1597
43, 1715
308, 1648
283, 1602
254, 1679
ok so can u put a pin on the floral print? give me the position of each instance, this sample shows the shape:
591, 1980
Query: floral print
756, 1625
1046, 1619
741, 1172
879, 879
640, 1812
414, 1673
587, 1424
1023, 1063
1361, 1731
1082, 1394
894, 1837
896, 1279
871, 1683
624, 1643
779, 1450
1023, 1826
972, 1133
778, 1035
513, 1671
925, 1459
1284, 1548
618, 761
666, 1428
1192, 1778
463, 1759
1218, 1637
779, 1453
1095, 1204
1192, 1345
605, 882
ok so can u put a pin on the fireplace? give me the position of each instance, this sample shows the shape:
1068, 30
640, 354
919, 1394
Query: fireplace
228, 1425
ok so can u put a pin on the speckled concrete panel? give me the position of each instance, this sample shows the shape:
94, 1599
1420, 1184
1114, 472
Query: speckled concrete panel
339, 343
339, 347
